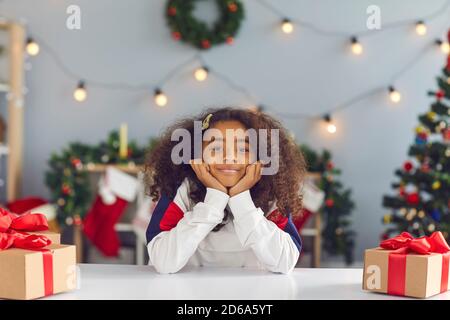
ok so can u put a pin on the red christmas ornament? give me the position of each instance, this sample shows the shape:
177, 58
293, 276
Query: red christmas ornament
446, 134
448, 63
130, 152
176, 35
76, 162
229, 40
407, 166
329, 203
423, 135
232, 7
425, 168
440, 94
206, 44
66, 189
413, 199
330, 165
172, 11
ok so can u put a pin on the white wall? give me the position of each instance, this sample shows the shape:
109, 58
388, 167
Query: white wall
128, 41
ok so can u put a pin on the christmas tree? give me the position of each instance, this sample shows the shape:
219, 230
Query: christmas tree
422, 202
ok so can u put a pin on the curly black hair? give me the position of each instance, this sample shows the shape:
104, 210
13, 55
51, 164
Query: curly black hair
162, 176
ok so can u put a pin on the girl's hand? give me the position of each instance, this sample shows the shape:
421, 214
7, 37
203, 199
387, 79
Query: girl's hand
202, 172
251, 177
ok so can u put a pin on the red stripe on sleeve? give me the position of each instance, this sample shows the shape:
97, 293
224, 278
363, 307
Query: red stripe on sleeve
171, 217
277, 218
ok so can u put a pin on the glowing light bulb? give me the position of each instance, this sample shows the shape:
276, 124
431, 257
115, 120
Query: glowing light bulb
160, 98
201, 74
356, 47
331, 128
444, 46
32, 47
421, 28
287, 26
394, 95
80, 93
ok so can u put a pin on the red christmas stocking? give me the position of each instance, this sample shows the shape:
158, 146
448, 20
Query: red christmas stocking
116, 190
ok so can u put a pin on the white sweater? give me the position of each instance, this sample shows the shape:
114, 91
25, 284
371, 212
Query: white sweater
180, 234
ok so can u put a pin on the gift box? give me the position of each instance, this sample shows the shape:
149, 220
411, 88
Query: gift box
31, 266
30, 274
406, 266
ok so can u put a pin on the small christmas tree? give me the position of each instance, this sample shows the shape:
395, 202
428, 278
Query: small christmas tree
422, 203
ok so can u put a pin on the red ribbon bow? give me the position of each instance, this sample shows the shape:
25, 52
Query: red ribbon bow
405, 243
424, 245
14, 226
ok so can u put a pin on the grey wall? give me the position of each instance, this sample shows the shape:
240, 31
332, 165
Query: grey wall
128, 41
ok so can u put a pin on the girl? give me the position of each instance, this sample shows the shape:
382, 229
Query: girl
221, 211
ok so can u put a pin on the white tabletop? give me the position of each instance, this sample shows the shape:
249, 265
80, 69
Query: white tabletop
143, 282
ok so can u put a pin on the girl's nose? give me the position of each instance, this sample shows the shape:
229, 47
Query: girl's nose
230, 154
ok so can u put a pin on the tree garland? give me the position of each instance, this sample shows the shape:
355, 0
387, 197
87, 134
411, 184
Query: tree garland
68, 179
187, 28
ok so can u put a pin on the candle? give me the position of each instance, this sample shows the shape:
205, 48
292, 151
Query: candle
123, 149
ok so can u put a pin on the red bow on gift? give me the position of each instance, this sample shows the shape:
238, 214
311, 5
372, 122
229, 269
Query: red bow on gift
14, 226
424, 245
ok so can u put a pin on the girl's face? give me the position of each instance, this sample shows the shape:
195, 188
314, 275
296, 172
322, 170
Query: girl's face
229, 156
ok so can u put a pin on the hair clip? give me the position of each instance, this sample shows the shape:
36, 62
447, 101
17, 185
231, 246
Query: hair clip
205, 123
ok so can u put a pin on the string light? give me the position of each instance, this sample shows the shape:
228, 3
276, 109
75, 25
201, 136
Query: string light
356, 47
331, 128
394, 95
201, 74
443, 45
287, 26
32, 47
160, 98
421, 28
80, 93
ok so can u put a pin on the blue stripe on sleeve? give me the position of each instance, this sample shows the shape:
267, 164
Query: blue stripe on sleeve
292, 230
153, 227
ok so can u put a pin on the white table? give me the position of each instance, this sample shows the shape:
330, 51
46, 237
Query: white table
143, 282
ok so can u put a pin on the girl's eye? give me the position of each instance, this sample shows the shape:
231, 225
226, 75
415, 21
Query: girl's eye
217, 148
243, 150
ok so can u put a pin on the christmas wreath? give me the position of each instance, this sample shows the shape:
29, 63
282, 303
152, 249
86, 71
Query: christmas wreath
187, 28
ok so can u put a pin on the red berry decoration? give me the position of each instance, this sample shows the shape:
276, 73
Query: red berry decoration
65, 189
329, 203
229, 40
425, 168
206, 44
176, 35
232, 7
440, 94
172, 11
413, 199
130, 152
407, 166
330, 165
